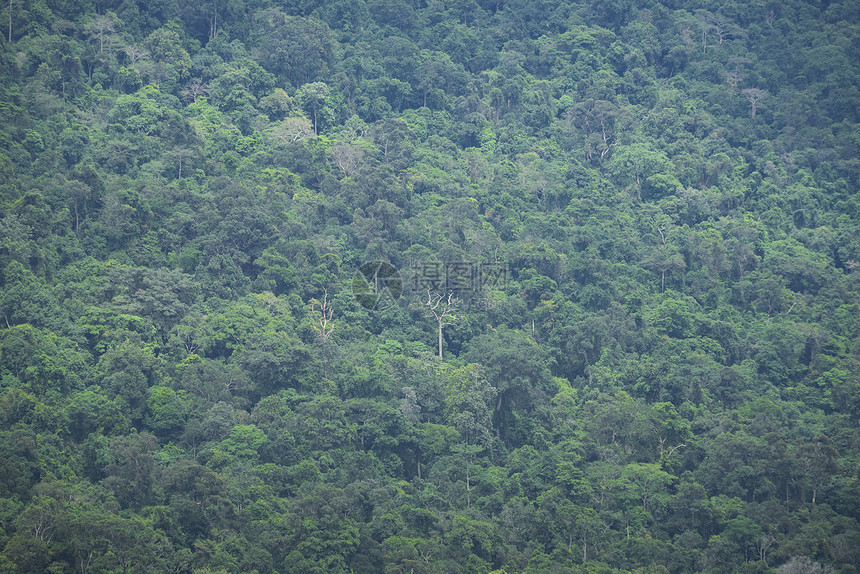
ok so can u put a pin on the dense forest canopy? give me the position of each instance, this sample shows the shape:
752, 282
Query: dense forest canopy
294, 286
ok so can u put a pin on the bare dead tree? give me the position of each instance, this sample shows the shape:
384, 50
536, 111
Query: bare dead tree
102, 28
347, 158
292, 130
718, 27
195, 88
724, 29
135, 54
753, 95
769, 18
443, 308
322, 316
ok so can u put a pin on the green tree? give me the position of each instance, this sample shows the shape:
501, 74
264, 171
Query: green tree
166, 48
298, 48
131, 472
167, 411
40, 361
315, 94
647, 482
520, 370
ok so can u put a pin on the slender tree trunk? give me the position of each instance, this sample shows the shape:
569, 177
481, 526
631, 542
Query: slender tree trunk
440, 339
468, 488
10, 21
584, 545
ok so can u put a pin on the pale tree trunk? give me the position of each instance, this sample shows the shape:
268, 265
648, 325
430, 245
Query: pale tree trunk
440, 339
584, 545
468, 488
442, 309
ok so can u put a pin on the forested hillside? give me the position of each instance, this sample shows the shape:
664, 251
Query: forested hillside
430, 286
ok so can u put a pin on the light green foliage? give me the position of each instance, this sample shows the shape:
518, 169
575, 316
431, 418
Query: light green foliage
139, 112
41, 361
167, 410
244, 441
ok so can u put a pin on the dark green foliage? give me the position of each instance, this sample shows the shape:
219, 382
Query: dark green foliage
631, 230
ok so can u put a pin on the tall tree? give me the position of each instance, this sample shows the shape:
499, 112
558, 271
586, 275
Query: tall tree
444, 310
